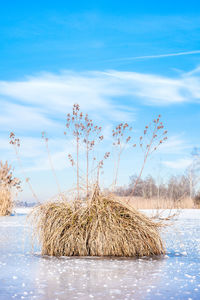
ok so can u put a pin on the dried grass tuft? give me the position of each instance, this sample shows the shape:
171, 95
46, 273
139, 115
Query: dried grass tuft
103, 226
7, 184
6, 203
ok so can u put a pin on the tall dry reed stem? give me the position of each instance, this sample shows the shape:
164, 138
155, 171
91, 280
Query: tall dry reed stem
121, 136
155, 136
45, 138
16, 144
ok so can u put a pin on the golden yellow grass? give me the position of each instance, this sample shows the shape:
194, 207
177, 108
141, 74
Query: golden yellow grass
155, 203
6, 203
103, 226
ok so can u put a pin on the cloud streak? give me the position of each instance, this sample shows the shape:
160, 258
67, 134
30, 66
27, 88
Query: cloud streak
40, 102
99, 90
179, 164
157, 56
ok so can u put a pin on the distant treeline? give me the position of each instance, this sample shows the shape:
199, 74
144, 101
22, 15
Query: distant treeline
175, 188
24, 204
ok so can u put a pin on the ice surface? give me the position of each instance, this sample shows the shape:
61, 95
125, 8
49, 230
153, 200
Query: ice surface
25, 275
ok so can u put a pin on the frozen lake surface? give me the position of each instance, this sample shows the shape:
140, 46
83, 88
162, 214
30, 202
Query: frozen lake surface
25, 275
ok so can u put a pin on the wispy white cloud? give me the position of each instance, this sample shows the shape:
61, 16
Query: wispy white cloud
178, 164
150, 89
33, 153
157, 56
20, 116
175, 145
47, 97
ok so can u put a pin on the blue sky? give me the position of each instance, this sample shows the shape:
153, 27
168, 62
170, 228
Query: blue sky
121, 61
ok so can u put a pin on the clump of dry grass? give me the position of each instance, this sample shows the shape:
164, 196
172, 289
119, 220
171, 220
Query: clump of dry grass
102, 226
6, 203
7, 184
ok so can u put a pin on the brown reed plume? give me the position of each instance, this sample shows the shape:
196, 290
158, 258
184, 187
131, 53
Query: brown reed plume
121, 136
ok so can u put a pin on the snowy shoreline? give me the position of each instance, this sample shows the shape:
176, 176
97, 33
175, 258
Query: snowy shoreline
181, 213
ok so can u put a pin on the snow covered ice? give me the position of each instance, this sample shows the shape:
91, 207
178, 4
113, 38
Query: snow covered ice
27, 275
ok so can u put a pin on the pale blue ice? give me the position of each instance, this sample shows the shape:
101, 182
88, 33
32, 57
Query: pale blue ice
27, 275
